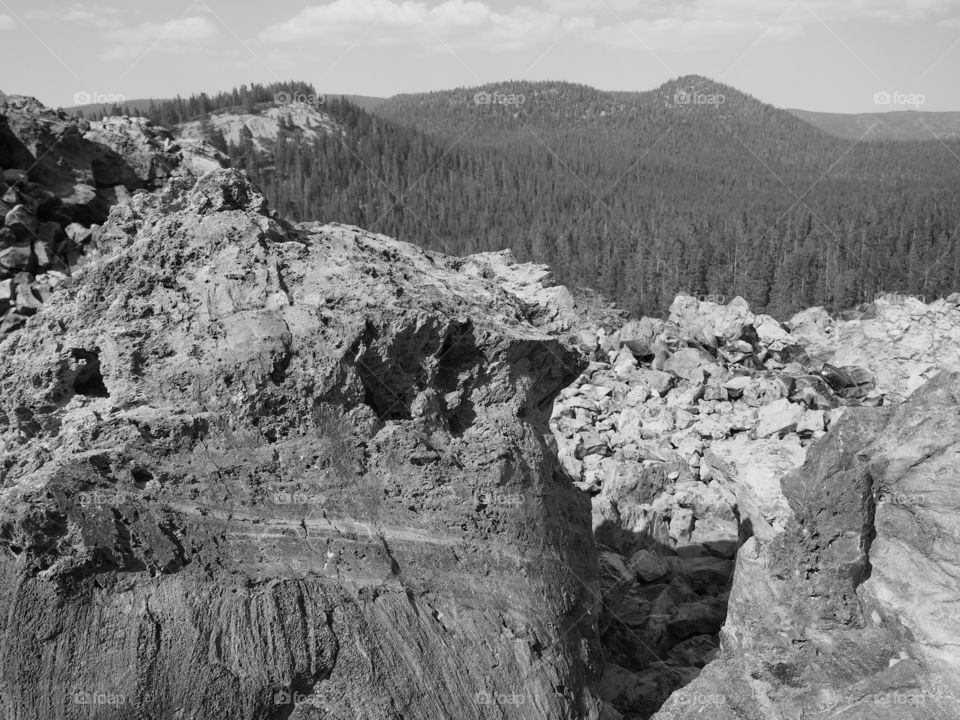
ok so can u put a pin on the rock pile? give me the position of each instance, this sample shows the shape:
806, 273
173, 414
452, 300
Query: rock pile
58, 178
681, 435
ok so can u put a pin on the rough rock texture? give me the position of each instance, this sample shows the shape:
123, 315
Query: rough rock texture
902, 340
681, 431
852, 611
251, 470
59, 176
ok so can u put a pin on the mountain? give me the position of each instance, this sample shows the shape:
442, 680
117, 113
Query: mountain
692, 187
903, 125
367, 102
96, 110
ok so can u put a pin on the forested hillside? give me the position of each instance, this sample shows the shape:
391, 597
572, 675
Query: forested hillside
692, 187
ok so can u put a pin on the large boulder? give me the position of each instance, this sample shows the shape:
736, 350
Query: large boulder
708, 322
258, 470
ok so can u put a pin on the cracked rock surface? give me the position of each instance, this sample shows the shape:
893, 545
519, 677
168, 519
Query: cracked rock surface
257, 470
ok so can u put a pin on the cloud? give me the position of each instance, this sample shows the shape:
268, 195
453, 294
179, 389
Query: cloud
406, 22
171, 36
98, 16
659, 24
7, 22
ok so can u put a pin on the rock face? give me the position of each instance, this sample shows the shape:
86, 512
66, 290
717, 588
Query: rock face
60, 176
254, 470
852, 609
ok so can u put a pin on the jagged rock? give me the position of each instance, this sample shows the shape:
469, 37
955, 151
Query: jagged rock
812, 421
778, 418
851, 610
640, 336
771, 333
812, 326
242, 459
752, 469
813, 391
708, 322
688, 363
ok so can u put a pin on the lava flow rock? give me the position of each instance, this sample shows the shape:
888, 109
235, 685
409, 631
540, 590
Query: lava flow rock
257, 470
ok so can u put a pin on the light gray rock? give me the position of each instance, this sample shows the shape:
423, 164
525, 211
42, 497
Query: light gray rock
778, 418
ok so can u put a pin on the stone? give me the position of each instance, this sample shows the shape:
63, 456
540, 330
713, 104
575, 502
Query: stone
708, 322
812, 421
648, 566
778, 418
659, 382
17, 258
753, 470
20, 219
812, 326
688, 363
771, 333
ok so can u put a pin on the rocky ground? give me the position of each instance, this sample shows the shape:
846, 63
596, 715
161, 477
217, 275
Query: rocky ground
251, 469
682, 430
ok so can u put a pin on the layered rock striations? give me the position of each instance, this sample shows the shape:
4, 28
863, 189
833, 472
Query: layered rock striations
256, 470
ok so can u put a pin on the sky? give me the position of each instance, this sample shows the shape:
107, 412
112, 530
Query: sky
826, 55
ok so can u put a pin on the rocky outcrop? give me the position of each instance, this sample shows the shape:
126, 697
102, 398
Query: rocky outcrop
682, 431
852, 609
60, 176
255, 470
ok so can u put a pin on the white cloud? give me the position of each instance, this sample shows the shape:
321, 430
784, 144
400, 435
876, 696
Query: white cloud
405, 22
99, 16
171, 36
6, 22
662, 25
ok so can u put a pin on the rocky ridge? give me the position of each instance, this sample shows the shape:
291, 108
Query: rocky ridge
60, 176
251, 469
